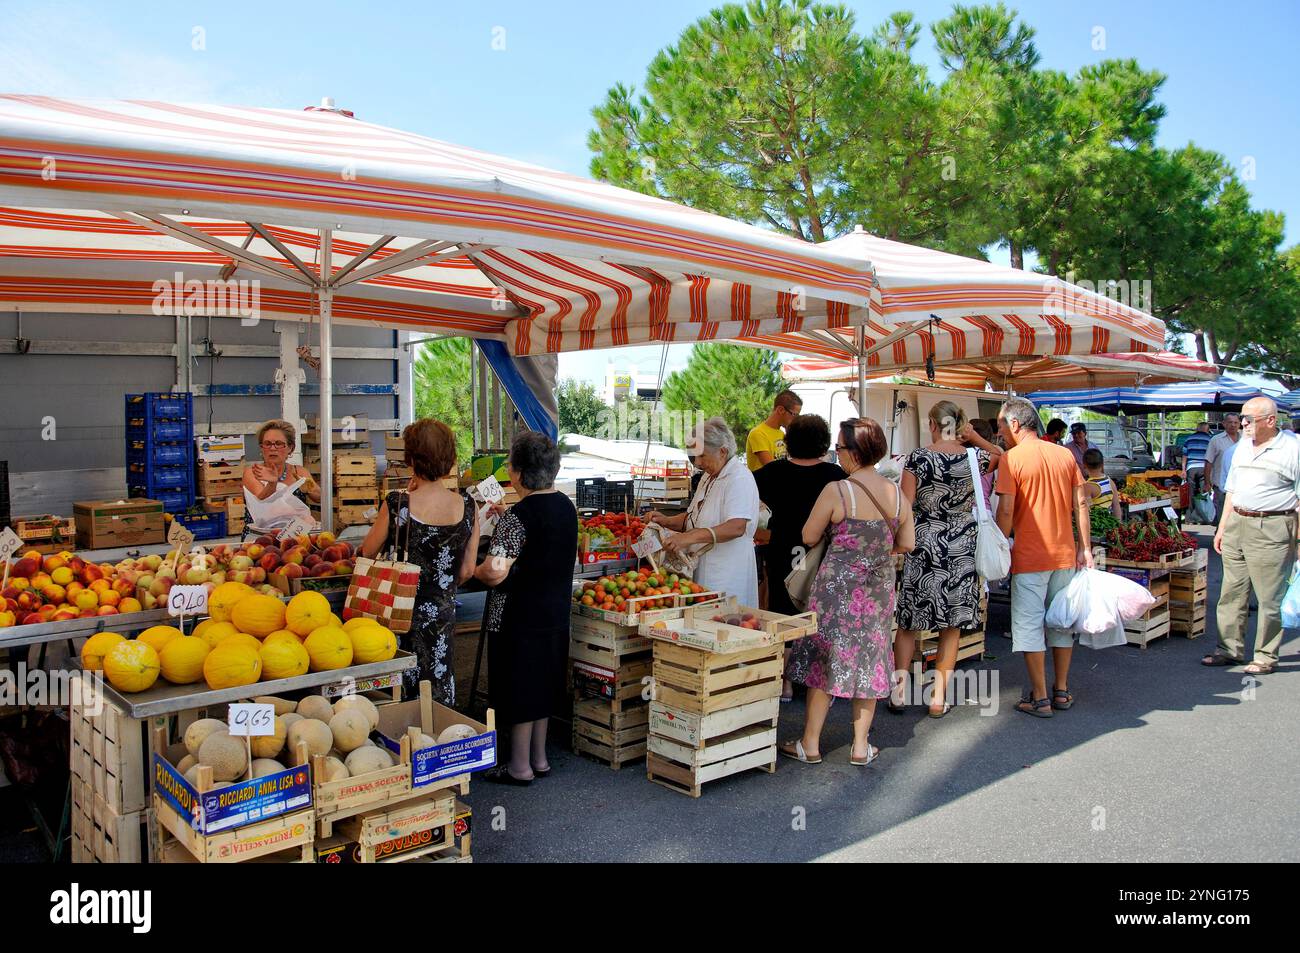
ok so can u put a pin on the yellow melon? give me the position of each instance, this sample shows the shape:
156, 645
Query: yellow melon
284, 659
158, 636
279, 635
329, 648
306, 611
200, 630
223, 598
96, 647
357, 621
244, 639
335, 620
269, 746
231, 665
258, 615
214, 633
132, 666
182, 660
372, 643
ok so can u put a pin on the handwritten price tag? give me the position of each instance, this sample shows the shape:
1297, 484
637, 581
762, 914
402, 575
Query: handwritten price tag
187, 600
248, 719
1170, 514
491, 490
178, 536
647, 545
9, 543
297, 527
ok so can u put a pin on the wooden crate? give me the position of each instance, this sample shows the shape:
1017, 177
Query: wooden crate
1189, 630
1148, 627
376, 791
221, 489
603, 643
1189, 586
969, 645
101, 835
686, 769
220, 472
704, 682
695, 730
620, 688
264, 838
105, 524
363, 482
44, 529
615, 738
108, 751
419, 827
1187, 611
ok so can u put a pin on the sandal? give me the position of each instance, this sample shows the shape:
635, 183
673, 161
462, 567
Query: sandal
896, 709
872, 754
501, 775
1038, 707
1062, 693
1219, 660
940, 712
1260, 668
794, 749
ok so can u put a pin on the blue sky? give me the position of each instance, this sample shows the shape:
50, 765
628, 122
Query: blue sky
439, 69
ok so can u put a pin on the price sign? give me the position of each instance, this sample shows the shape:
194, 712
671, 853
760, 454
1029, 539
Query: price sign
187, 600
297, 527
251, 720
1170, 514
491, 490
9, 543
179, 536
646, 545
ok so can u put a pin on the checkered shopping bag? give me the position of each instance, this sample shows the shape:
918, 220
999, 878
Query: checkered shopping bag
384, 589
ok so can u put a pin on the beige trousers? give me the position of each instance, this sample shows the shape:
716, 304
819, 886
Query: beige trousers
1258, 553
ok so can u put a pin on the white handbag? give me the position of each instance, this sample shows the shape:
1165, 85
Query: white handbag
992, 548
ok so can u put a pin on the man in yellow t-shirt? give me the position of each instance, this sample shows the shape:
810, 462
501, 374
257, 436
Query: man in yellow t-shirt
767, 441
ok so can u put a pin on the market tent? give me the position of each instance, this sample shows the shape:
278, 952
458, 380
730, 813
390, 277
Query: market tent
1028, 373
1225, 393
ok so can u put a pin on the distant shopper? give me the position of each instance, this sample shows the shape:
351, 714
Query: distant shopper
1099, 487
1195, 449
1218, 455
1257, 537
1041, 490
1055, 430
766, 442
1080, 444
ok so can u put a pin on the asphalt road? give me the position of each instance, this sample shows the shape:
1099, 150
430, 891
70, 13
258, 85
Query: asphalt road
1161, 759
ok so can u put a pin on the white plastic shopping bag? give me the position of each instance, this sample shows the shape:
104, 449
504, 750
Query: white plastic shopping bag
1291, 602
1096, 605
992, 548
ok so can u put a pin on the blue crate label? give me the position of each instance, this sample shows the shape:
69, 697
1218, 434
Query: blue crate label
448, 760
245, 802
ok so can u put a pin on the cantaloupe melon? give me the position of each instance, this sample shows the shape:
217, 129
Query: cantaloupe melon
192, 775
335, 770
182, 660
186, 763
131, 666
270, 746
457, 732
350, 729
424, 741
359, 703
157, 636
96, 647
225, 755
258, 615
198, 732
283, 659
306, 611
316, 706
230, 665
289, 719
367, 759
264, 766
283, 706
222, 599
329, 648
315, 734
372, 643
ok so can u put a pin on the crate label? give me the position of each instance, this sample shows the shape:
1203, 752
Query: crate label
448, 760
187, 600
354, 686
179, 536
244, 802
9, 543
250, 719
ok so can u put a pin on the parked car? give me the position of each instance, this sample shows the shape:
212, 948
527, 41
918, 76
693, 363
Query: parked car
1125, 448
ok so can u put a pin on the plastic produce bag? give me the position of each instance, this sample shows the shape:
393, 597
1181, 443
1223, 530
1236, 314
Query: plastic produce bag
1096, 605
1070, 604
1203, 508
1291, 602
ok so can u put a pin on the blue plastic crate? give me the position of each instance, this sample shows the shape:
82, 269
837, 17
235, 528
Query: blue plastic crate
204, 525
163, 478
158, 454
173, 501
158, 406
171, 431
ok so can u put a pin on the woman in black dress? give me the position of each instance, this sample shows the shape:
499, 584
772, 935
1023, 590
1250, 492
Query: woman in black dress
529, 568
790, 487
437, 528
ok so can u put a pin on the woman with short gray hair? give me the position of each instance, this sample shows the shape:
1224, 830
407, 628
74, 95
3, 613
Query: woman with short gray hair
719, 524
529, 569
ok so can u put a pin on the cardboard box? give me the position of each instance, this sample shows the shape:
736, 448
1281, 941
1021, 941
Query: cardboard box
106, 524
242, 803
219, 448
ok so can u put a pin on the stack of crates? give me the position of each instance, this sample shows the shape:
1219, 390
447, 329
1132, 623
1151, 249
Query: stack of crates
160, 449
4, 494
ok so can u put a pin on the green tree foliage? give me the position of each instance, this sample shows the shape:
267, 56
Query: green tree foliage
442, 389
581, 408
730, 381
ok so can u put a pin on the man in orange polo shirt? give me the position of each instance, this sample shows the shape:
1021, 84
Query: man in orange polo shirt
1043, 497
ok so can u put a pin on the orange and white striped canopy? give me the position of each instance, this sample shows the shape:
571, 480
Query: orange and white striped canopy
100, 200
1063, 372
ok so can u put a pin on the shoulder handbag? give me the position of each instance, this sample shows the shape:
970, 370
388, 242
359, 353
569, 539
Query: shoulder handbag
992, 549
384, 589
683, 563
799, 581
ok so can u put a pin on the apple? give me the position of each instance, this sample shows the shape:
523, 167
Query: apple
25, 568
241, 562
146, 601
145, 581
270, 561
194, 577
291, 571
239, 575
152, 563
218, 577
222, 551
165, 572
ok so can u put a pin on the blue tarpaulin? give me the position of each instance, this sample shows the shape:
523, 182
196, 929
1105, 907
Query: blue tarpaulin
1227, 393
531, 408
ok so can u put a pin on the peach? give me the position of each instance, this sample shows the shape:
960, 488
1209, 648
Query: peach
303, 540
93, 573
265, 541
54, 593
295, 554
106, 610
20, 583
152, 563
342, 567
109, 597
63, 613
41, 580
7, 619
292, 571
194, 577
51, 563
324, 540
86, 600
255, 551
256, 576
312, 561
76, 564
123, 586
241, 563
29, 600
10, 592
25, 567
63, 575
100, 585
73, 588
322, 569
32, 618
270, 561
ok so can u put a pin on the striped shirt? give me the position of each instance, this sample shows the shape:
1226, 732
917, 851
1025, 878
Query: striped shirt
1107, 490
1195, 447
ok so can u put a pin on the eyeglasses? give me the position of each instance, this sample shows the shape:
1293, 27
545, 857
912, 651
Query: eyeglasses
839, 447
274, 444
1247, 419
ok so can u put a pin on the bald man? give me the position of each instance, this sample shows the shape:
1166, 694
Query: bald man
1257, 538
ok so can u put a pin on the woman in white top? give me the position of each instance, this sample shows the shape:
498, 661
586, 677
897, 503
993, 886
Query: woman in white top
722, 516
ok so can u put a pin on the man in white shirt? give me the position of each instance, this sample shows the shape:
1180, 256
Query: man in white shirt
1217, 458
1257, 537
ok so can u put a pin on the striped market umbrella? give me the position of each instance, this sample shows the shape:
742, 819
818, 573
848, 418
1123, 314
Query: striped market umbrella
1223, 393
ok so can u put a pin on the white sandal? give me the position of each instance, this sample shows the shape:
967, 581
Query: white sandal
872, 754
797, 753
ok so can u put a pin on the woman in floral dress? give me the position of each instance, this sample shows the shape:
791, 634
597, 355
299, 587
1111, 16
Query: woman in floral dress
437, 530
853, 595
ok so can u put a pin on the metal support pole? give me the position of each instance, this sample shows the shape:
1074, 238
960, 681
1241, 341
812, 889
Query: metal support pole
862, 372
325, 296
473, 392
290, 377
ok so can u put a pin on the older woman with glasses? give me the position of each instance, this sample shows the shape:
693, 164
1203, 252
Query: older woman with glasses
278, 439
722, 516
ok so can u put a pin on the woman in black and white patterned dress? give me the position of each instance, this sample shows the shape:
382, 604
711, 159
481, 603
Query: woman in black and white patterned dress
940, 590
438, 529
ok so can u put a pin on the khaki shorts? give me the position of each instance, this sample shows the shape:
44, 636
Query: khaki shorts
1031, 594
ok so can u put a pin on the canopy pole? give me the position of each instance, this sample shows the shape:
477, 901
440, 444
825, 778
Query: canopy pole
326, 404
862, 371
